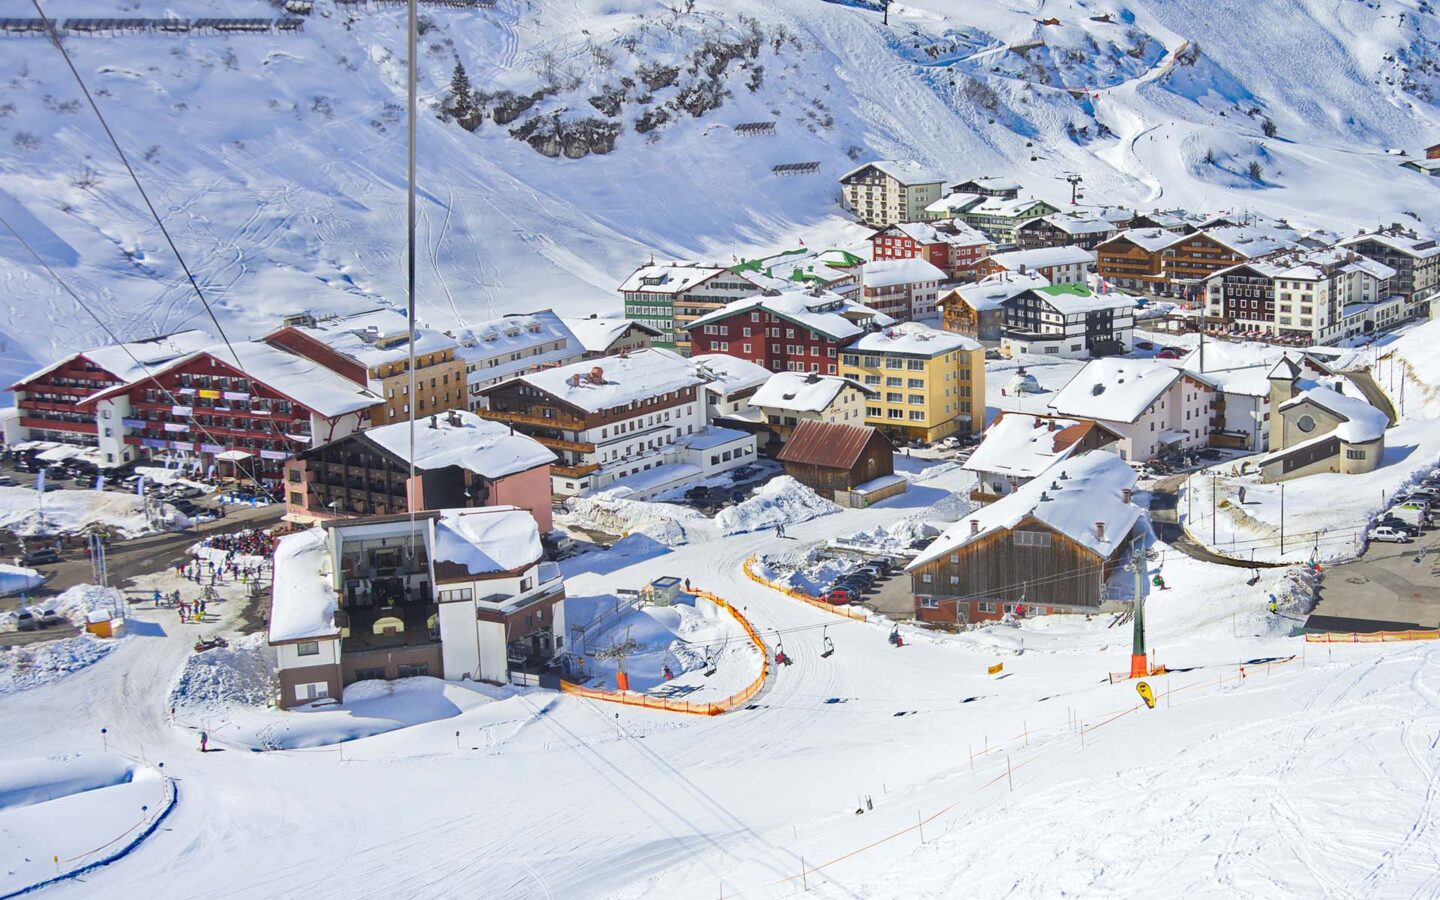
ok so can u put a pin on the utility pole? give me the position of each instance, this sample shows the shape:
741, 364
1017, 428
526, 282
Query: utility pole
1139, 662
885, 8
1212, 509
1282, 518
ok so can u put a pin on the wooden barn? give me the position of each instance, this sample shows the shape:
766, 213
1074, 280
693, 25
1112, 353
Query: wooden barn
1050, 546
829, 458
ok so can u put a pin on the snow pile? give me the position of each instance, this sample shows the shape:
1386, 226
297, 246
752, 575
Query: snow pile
782, 501
25, 782
678, 636
811, 571
952, 508
240, 674
82, 599
897, 537
667, 523
23, 511
15, 579
22, 668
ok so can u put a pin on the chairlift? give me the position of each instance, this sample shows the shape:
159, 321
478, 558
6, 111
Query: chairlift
895, 637
829, 645
781, 657
709, 663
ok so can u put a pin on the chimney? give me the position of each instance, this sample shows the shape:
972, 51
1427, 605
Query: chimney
1125, 494
433, 423
454, 418
597, 375
1099, 531
974, 527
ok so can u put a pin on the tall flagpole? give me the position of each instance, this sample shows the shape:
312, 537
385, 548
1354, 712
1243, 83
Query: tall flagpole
412, 30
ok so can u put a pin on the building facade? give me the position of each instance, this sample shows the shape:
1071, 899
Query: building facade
928, 383
885, 192
668, 297
1069, 321
502, 348
794, 331
1058, 265
953, 248
903, 289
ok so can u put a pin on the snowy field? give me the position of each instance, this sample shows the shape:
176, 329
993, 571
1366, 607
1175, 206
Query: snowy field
23, 511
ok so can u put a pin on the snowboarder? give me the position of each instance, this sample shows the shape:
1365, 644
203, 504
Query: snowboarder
667, 673
1159, 582
204, 741
1274, 607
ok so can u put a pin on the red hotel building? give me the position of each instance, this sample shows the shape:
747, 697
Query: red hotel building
794, 331
243, 417
954, 248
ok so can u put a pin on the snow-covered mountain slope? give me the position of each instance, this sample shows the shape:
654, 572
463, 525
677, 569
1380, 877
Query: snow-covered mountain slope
278, 159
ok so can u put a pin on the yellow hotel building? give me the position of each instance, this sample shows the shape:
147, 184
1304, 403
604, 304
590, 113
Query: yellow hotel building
930, 383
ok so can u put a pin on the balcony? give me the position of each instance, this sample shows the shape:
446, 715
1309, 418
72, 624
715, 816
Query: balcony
562, 444
520, 418
60, 425
579, 471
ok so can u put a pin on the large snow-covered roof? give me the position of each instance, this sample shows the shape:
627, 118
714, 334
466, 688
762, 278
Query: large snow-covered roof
463, 439
1042, 257
991, 293
955, 233
302, 599
633, 376
905, 171
517, 343
1313, 265
1114, 389
891, 272
1024, 445
1073, 299
1419, 248
130, 361
1002, 206
726, 374
669, 278
1363, 422
914, 338
801, 392
955, 203
374, 338
1076, 225
1150, 240
302, 380
1070, 498
823, 312
487, 540
1254, 240
991, 183
596, 335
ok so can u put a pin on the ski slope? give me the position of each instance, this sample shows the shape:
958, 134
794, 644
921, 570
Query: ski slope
1309, 777
278, 160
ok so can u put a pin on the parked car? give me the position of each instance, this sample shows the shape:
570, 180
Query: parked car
840, 596
1399, 524
42, 557
7, 481
1389, 535
49, 618
25, 620
1169, 353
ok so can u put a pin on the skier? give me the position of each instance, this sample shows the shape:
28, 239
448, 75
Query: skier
157, 597
1274, 607
1159, 582
204, 740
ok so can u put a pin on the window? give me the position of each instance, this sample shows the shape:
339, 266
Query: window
1354, 454
307, 648
375, 673
917, 399
1031, 538
296, 498
314, 690
927, 578
929, 602
414, 670
453, 594
892, 382
1305, 423
985, 606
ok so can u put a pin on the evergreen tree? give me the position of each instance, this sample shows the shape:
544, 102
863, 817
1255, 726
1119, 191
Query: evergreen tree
462, 100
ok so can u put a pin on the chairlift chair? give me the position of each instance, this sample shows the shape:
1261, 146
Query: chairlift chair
827, 644
781, 657
709, 663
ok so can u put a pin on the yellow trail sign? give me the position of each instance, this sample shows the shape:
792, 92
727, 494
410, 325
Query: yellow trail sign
1143, 689
996, 669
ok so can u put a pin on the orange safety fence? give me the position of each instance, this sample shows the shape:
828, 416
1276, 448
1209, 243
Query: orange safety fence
712, 708
803, 597
1373, 637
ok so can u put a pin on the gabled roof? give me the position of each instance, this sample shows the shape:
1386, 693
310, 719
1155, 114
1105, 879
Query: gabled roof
1251, 241
1115, 389
487, 540
802, 392
954, 233
991, 293
1023, 445
596, 335
1416, 247
987, 183
291, 375
1070, 498
891, 272
907, 172
725, 374
822, 312
1151, 240
1360, 422
374, 338
826, 444
955, 203
914, 339
669, 278
1073, 299
1074, 225
120, 360
1002, 206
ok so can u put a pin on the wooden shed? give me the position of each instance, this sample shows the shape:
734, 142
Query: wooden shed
828, 457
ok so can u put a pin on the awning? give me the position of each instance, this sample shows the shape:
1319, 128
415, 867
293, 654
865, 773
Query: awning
55, 454
1172, 437
233, 455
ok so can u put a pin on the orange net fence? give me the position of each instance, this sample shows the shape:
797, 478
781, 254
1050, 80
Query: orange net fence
843, 611
1373, 637
669, 704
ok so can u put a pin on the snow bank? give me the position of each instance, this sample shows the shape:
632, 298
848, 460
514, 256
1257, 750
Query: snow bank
667, 523
82, 599
782, 501
25, 782
811, 571
678, 636
897, 537
239, 675
16, 579
22, 668
22, 511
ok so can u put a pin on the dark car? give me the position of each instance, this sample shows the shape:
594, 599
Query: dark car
43, 556
1399, 524
7, 481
